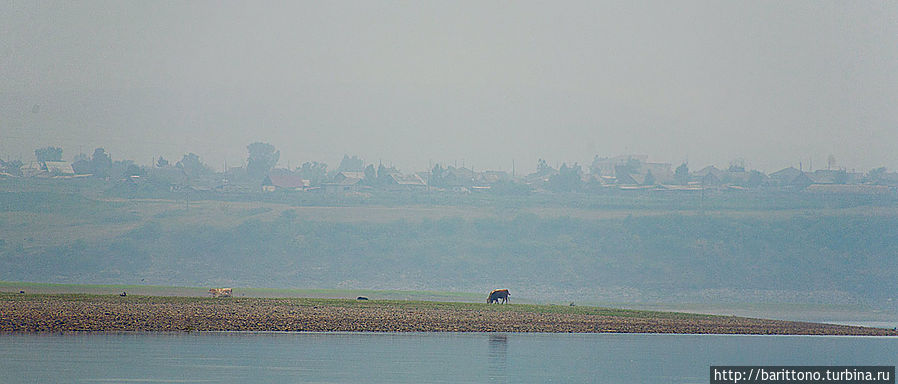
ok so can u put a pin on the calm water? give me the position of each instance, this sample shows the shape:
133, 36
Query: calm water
413, 358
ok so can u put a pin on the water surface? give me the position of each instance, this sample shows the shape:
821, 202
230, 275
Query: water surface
414, 357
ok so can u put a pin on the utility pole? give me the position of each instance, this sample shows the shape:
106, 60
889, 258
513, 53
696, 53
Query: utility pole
701, 203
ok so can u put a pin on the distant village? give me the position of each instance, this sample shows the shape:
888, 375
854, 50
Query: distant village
353, 176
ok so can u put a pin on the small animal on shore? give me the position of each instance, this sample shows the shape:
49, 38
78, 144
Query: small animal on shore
220, 292
498, 294
123, 294
361, 298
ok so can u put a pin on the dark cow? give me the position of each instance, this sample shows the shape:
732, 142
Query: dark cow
498, 294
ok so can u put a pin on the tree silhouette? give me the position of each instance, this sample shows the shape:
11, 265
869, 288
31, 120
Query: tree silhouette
681, 175
876, 175
370, 174
48, 154
192, 165
649, 178
313, 171
543, 168
351, 164
567, 179
437, 176
100, 163
262, 158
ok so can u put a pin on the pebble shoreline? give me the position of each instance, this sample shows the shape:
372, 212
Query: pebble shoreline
58, 313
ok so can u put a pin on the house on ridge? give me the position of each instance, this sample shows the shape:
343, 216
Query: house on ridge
284, 180
790, 178
59, 168
345, 182
411, 182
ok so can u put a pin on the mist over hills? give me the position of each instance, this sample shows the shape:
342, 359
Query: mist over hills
646, 252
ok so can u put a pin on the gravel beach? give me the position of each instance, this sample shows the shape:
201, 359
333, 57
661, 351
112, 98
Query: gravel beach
21, 313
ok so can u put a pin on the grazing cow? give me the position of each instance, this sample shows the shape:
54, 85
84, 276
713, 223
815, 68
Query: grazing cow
220, 292
498, 294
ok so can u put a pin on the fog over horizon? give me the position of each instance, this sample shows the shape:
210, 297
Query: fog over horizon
480, 84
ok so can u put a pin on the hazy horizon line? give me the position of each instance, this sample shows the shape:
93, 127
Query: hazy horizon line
457, 163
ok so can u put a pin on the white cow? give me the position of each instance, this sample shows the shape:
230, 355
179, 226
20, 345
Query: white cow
220, 292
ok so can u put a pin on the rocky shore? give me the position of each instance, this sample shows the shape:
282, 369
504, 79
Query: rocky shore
20, 313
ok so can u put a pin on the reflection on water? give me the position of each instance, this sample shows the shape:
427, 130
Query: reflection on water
414, 357
498, 362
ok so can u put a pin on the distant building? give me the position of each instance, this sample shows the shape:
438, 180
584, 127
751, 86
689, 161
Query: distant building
710, 175
626, 178
458, 177
790, 178
491, 177
632, 170
173, 178
889, 178
406, 182
836, 176
536, 180
609, 166
827, 176
284, 180
345, 175
344, 182
660, 171
32, 169
82, 167
59, 168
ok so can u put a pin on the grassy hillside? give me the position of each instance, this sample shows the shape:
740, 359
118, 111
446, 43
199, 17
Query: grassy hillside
169, 291
826, 254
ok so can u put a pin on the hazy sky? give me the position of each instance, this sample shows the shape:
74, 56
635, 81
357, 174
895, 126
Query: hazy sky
484, 83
